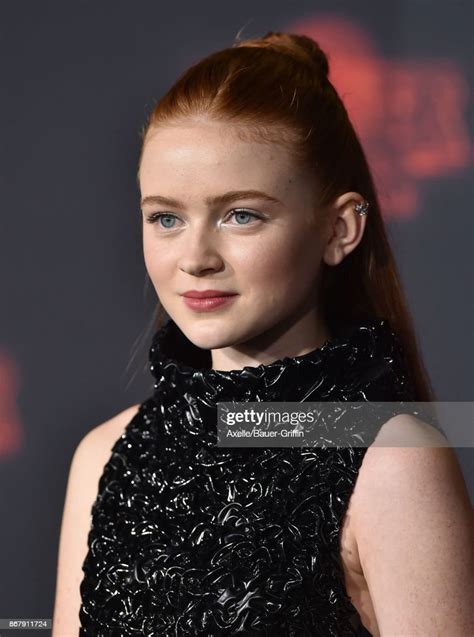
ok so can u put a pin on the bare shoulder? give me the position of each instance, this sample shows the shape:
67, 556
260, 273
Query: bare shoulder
407, 430
413, 528
88, 460
407, 453
99, 440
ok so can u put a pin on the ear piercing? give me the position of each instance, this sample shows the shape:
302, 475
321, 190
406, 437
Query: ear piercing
362, 208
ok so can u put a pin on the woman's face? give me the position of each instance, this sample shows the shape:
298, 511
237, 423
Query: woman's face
267, 252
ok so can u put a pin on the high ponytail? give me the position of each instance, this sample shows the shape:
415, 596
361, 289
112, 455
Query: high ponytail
301, 47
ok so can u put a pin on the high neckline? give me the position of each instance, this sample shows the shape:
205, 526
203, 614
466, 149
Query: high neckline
360, 351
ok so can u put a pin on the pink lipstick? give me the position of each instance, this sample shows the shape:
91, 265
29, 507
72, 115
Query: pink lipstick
206, 300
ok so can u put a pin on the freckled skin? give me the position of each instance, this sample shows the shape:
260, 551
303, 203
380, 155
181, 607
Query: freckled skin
272, 264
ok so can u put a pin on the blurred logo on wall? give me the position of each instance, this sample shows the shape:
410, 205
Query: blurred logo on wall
11, 431
409, 113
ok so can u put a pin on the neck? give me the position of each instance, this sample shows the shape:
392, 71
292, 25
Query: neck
288, 338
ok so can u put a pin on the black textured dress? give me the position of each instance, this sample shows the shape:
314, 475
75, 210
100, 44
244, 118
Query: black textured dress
188, 538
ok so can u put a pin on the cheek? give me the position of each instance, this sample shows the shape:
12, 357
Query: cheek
283, 263
157, 261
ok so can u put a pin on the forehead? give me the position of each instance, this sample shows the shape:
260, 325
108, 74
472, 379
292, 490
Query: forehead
210, 155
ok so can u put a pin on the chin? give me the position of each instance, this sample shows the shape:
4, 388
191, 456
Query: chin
213, 340
209, 333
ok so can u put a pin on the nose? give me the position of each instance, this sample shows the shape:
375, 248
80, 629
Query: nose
199, 256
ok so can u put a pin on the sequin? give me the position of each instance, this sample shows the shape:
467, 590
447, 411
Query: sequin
188, 538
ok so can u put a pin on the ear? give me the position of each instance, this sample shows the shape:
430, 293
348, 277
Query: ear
346, 228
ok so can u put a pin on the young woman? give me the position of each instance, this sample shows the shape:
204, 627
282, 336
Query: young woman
265, 243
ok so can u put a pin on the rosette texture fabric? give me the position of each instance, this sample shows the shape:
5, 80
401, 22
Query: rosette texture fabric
188, 538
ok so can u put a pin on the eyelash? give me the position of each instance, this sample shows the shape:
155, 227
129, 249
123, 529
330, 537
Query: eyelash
154, 217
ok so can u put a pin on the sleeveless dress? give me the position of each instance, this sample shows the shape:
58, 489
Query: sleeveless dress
188, 538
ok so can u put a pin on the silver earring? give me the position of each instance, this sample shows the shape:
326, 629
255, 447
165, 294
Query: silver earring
362, 208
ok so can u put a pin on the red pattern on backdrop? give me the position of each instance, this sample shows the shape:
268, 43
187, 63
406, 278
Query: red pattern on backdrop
409, 113
11, 430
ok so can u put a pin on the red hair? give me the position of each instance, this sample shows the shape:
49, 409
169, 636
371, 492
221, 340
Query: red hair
276, 88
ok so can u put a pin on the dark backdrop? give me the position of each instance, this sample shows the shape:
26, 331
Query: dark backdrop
78, 79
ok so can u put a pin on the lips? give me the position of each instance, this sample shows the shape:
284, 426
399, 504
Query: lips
209, 303
206, 294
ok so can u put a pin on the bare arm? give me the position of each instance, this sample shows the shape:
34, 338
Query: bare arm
415, 536
87, 465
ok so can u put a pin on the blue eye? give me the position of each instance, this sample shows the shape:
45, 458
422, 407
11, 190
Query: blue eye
245, 213
164, 217
158, 216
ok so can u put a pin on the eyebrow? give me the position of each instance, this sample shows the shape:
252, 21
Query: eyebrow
223, 199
